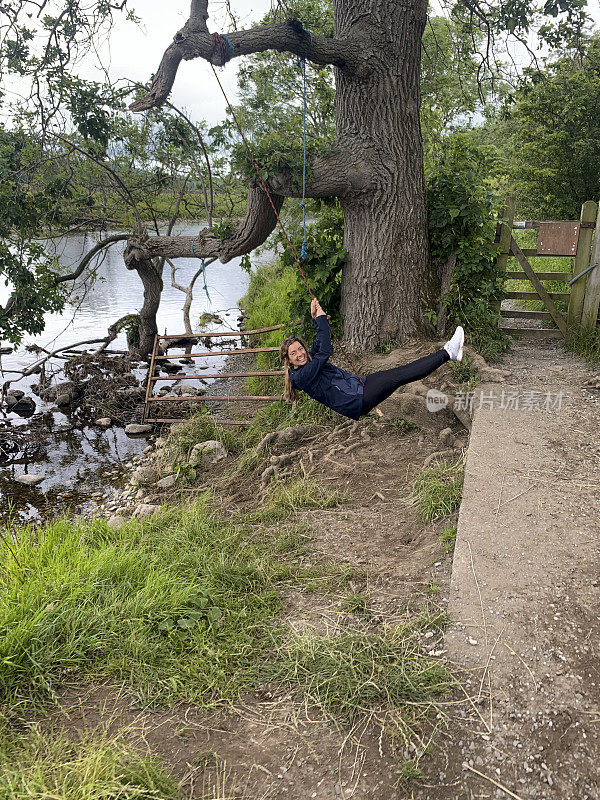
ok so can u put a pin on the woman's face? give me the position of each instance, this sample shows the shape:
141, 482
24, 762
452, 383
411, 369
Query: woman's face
297, 354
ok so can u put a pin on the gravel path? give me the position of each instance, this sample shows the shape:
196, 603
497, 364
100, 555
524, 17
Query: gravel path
525, 592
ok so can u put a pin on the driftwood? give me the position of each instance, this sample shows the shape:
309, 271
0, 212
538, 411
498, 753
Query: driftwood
62, 352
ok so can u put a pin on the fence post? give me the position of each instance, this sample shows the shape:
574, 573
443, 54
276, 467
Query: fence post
582, 261
589, 317
507, 217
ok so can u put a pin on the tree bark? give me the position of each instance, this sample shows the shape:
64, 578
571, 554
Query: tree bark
387, 280
150, 273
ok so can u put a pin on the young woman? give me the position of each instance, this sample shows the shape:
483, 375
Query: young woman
338, 389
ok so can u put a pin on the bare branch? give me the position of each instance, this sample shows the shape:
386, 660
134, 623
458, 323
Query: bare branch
286, 37
11, 306
110, 240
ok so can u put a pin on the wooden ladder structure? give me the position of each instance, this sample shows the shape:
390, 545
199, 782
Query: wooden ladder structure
560, 238
156, 358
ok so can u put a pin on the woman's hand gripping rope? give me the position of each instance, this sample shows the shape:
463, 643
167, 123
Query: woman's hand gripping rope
316, 310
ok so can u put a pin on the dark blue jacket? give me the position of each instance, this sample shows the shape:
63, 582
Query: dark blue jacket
332, 386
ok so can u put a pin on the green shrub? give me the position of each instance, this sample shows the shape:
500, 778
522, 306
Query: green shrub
462, 218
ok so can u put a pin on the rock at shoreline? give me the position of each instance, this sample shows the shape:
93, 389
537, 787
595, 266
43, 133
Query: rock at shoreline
30, 480
206, 453
20, 403
116, 522
18, 393
185, 388
136, 429
104, 422
167, 483
146, 475
145, 510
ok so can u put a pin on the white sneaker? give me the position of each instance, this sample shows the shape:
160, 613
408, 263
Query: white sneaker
454, 347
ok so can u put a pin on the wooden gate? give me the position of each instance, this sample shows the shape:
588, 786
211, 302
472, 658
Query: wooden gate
172, 340
564, 239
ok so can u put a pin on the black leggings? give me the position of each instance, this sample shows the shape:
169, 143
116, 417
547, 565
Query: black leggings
379, 385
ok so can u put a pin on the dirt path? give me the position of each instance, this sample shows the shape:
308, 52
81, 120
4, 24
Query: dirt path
525, 591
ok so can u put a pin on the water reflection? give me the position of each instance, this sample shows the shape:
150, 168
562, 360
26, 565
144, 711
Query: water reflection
77, 451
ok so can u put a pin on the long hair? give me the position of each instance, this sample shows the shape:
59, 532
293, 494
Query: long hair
290, 392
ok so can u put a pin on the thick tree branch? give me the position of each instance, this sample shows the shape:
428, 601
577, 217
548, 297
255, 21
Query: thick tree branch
334, 176
331, 176
254, 229
194, 41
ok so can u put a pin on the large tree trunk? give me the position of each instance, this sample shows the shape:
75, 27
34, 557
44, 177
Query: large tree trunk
375, 166
388, 280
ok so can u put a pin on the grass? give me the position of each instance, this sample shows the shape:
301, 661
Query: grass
356, 603
302, 493
448, 537
465, 373
403, 426
200, 427
527, 238
34, 766
279, 415
179, 607
352, 673
585, 344
267, 302
408, 772
437, 490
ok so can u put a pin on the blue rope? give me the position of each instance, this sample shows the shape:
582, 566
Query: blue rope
204, 279
302, 65
203, 265
228, 45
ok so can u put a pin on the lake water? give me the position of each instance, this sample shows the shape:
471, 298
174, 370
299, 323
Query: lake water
74, 465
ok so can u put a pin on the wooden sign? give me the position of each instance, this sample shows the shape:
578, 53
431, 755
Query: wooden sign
558, 238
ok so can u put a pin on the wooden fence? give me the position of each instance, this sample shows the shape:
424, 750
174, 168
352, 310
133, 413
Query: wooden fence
156, 358
565, 238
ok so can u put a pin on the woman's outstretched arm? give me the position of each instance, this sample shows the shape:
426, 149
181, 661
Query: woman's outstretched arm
320, 351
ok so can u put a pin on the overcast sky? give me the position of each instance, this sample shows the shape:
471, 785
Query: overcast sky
135, 51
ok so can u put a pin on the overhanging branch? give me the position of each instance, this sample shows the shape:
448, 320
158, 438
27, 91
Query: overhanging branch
251, 232
194, 41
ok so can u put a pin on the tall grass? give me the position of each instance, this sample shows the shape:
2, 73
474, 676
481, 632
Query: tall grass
51, 767
437, 490
178, 607
266, 303
586, 344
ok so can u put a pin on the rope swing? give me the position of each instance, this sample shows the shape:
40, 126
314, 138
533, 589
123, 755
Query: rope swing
302, 66
222, 44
